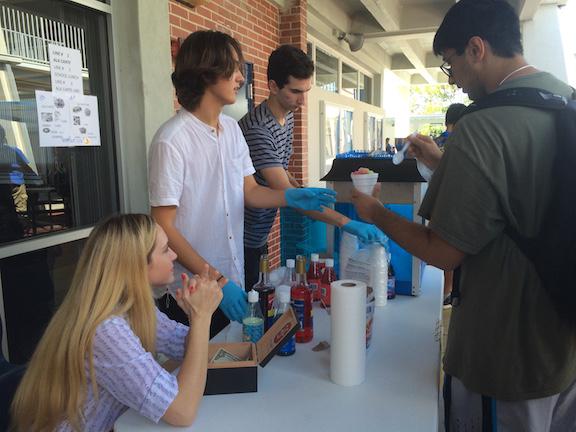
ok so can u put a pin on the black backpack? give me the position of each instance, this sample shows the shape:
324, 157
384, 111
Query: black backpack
553, 250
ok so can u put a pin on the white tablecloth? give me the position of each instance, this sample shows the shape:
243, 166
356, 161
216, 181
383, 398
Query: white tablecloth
295, 393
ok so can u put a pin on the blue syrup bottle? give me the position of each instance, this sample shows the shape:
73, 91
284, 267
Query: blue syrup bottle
289, 347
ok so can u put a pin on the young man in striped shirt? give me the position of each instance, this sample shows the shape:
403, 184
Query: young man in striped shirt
269, 131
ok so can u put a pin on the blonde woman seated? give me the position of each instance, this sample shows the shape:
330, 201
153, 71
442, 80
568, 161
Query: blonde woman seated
96, 358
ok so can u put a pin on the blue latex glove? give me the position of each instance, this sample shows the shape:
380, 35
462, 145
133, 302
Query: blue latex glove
367, 233
310, 198
233, 303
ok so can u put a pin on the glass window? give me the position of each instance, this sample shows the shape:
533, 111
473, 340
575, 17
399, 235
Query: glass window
245, 97
355, 84
50, 189
338, 134
309, 50
326, 71
347, 130
371, 134
33, 287
331, 137
374, 133
349, 81
364, 89
379, 133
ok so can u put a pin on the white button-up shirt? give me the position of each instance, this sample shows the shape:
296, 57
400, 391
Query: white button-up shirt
201, 170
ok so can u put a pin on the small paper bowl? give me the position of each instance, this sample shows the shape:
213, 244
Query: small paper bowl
364, 182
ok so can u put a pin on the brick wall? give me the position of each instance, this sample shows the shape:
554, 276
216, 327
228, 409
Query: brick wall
260, 27
254, 23
293, 32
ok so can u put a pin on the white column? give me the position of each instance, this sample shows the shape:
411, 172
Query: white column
144, 94
543, 45
396, 103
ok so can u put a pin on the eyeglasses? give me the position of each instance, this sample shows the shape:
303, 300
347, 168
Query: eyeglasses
446, 67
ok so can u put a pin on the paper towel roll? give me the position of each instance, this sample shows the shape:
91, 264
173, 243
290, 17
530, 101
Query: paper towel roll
348, 324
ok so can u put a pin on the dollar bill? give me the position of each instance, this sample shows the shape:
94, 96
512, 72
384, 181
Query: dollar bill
222, 356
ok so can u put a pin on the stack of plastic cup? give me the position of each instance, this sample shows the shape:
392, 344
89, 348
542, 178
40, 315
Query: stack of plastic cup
379, 273
348, 246
365, 182
358, 267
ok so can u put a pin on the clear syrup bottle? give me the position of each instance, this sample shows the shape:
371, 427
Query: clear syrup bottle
253, 321
290, 275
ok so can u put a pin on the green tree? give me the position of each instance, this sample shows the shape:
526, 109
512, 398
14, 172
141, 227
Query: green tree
432, 99
432, 130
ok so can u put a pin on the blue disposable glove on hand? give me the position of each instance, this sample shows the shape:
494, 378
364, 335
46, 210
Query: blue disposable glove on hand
367, 233
310, 198
233, 303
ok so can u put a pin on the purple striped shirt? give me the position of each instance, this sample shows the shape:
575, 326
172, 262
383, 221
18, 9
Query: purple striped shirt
128, 376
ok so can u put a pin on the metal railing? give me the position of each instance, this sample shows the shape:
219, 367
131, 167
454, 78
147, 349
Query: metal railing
27, 35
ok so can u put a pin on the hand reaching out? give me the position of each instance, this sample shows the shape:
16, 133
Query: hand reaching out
366, 205
366, 233
310, 198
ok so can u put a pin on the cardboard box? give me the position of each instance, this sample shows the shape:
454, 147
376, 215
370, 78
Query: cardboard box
242, 376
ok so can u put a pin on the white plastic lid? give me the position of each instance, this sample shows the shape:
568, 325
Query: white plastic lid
284, 297
329, 262
252, 296
314, 257
290, 263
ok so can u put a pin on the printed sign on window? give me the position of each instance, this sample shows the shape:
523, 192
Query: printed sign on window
67, 119
65, 69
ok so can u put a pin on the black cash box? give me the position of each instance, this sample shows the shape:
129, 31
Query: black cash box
242, 376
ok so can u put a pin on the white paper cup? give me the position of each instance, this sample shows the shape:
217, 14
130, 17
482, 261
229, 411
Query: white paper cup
364, 182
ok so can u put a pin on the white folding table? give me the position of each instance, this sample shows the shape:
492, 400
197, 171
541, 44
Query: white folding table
400, 392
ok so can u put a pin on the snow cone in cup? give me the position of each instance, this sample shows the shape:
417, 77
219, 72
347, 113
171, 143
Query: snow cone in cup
364, 180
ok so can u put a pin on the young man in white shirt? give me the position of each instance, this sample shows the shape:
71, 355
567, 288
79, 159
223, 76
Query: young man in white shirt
200, 172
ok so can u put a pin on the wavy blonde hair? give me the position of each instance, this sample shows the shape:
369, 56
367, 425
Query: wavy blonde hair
111, 278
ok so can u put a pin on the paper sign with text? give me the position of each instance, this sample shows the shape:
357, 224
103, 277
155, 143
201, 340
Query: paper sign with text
67, 119
65, 69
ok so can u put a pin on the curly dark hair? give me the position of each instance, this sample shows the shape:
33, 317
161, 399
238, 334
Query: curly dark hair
495, 21
204, 57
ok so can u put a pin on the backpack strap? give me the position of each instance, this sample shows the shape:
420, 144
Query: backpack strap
520, 96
